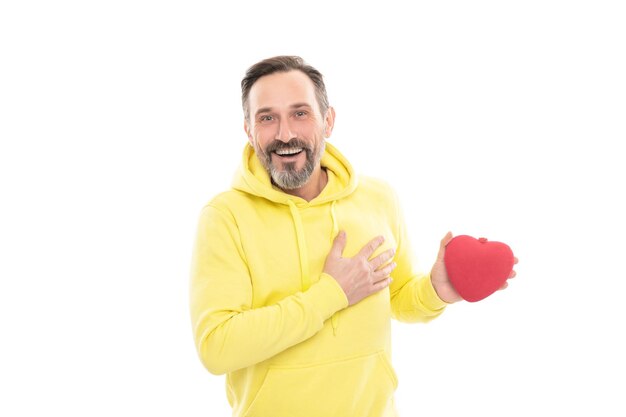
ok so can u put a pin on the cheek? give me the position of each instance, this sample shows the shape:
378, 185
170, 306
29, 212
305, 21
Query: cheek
310, 131
263, 137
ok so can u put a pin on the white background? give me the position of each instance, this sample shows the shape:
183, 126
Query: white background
120, 119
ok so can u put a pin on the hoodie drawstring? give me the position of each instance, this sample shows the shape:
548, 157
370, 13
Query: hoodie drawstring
302, 250
304, 257
335, 318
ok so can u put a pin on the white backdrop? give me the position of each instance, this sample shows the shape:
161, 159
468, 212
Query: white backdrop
120, 119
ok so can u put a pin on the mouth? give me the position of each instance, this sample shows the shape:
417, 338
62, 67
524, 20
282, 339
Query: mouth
287, 154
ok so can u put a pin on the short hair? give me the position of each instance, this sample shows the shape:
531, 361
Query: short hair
283, 63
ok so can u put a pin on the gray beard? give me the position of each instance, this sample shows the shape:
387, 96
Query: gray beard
291, 178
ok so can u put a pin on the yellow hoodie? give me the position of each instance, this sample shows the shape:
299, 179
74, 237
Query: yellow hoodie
265, 314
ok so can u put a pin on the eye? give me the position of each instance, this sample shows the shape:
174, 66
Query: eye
300, 113
266, 118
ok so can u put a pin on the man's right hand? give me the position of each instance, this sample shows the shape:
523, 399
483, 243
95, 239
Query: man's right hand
359, 276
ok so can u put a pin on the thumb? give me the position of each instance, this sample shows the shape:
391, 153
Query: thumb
339, 244
442, 246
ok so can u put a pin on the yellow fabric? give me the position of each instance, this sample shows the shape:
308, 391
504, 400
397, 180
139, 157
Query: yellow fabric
265, 314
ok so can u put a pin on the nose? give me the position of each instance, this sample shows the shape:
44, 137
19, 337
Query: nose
285, 132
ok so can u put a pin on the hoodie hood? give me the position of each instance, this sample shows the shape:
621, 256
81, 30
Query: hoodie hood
252, 178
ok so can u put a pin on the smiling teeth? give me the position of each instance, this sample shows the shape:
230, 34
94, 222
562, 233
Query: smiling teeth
289, 151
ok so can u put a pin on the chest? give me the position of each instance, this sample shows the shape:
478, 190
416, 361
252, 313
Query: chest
286, 249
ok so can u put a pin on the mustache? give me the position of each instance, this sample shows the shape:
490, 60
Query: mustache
293, 143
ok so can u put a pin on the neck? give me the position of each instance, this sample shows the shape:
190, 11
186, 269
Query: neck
313, 187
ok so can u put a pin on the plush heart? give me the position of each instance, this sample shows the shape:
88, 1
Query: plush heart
477, 267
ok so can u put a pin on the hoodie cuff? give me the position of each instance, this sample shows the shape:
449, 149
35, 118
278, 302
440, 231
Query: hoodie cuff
327, 295
428, 295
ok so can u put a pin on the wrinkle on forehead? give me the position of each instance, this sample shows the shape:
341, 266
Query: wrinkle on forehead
282, 91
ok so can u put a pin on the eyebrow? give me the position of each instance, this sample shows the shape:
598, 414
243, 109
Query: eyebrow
293, 106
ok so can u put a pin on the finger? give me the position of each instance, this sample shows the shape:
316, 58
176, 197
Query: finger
339, 244
513, 275
506, 284
382, 258
382, 284
442, 246
385, 271
371, 247
515, 260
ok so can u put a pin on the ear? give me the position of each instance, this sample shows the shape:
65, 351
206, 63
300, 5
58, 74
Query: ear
329, 122
246, 128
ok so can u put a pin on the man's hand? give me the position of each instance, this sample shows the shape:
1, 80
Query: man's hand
439, 275
359, 276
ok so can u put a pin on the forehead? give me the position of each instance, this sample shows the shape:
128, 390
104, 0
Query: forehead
281, 90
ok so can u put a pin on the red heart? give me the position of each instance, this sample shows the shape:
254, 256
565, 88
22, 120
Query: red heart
477, 267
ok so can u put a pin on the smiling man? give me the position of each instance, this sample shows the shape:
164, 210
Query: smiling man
299, 268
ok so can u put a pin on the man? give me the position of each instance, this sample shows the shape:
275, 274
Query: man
298, 269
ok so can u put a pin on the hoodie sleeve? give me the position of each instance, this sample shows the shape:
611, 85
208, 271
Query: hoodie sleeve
229, 334
413, 298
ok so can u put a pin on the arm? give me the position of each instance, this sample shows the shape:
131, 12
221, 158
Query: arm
413, 297
229, 334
